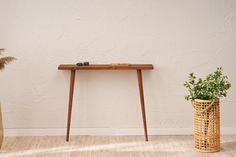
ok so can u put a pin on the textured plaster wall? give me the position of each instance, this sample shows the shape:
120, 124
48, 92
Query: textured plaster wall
178, 37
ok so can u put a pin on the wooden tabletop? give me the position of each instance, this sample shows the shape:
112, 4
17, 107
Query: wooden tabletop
106, 67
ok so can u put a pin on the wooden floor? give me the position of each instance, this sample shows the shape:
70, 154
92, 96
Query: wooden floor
110, 146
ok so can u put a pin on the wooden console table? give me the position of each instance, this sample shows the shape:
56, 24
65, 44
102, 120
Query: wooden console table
137, 67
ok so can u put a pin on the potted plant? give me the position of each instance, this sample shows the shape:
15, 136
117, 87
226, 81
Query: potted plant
3, 62
204, 94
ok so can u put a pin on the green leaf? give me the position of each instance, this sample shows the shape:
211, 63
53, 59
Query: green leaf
212, 86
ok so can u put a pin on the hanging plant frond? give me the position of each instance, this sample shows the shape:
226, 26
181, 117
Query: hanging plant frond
5, 60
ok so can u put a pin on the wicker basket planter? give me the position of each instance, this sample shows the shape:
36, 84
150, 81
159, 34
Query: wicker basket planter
206, 125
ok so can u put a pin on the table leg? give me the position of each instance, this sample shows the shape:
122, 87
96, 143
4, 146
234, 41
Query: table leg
72, 82
140, 84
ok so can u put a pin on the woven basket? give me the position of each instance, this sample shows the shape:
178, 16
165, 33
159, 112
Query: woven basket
206, 125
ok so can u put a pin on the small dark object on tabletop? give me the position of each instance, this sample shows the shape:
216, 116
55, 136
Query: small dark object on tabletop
86, 63
79, 64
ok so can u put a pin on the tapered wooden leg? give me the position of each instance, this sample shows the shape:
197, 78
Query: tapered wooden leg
140, 84
72, 82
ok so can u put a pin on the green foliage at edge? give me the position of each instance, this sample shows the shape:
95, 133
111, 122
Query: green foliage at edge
213, 86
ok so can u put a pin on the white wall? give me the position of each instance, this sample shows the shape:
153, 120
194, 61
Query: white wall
178, 37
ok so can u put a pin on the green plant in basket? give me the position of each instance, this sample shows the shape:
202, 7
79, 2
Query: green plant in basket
204, 94
213, 86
